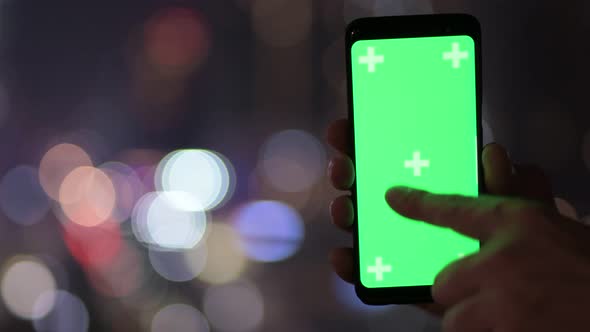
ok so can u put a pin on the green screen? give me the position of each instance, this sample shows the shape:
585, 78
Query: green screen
415, 124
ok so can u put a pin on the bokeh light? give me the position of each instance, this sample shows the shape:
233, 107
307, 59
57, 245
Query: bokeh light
69, 314
24, 280
22, 198
566, 208
147, 175
236, 307
139, 218
159, 223
87, 196
201, 174
176, 39
179, 317
179, 266
292, 160
269, 231
93, 247
128, 188
225, 259
57, 163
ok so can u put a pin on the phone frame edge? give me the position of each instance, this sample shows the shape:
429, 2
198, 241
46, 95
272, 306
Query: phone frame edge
413, 26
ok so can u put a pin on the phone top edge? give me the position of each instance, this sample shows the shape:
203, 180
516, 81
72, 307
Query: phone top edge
386, 27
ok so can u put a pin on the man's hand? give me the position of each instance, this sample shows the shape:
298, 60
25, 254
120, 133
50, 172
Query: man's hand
532, 273
500, 175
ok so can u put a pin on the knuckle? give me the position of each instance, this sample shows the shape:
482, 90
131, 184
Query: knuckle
522, 213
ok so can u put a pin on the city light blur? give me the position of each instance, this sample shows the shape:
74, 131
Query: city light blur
269, 231
176, 40
244, 313
57, 163
225, 259
24, 281
292, 160
87, 196
93, 247
179, 317
68, 313
127, 186
158, 222
21, 197
179, 266
201, 176
163, 163
120, 278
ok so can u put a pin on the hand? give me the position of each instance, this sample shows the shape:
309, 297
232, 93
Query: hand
501, 178
532, 273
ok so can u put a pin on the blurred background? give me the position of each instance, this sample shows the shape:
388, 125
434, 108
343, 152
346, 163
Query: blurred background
163, 164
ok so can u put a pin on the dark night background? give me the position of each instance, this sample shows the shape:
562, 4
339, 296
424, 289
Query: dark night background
103, 105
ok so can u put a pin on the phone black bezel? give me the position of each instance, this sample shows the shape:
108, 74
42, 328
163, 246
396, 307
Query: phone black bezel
407, 27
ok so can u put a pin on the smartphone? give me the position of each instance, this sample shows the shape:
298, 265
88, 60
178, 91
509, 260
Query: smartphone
414, 89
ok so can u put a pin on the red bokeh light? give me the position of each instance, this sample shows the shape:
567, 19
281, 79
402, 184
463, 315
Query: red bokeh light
93, 247
123, 277
176, 37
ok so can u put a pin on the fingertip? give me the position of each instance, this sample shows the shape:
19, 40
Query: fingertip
341, 172
342, 261
337, 135
342, 212
495, 152
498, 169
398, 197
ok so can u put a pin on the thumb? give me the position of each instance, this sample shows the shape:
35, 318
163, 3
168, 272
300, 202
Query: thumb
497, 170
530, 182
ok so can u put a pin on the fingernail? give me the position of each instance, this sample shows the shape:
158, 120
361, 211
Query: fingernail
487, 148
398, 193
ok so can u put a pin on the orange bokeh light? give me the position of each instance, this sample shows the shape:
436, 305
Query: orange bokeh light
87, 196
57, 163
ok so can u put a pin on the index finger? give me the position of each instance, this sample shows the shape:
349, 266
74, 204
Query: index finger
472, 216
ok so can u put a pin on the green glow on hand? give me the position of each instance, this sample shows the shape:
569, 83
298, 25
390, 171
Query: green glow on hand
415, 125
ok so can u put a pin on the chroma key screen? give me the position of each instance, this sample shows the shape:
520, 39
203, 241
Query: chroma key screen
415, 124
